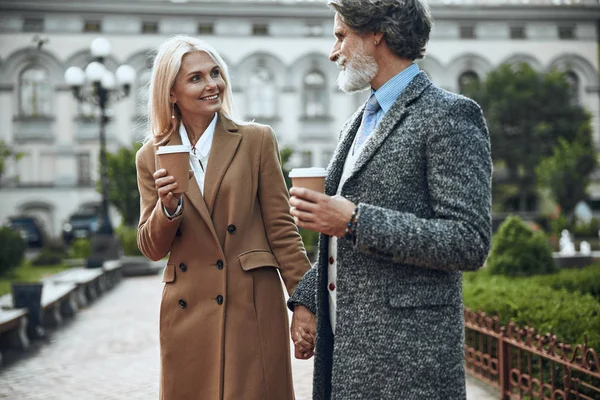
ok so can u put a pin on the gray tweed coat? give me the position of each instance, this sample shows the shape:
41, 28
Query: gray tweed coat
423, 187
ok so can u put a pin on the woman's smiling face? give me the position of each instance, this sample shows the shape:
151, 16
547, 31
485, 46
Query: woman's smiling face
199, 86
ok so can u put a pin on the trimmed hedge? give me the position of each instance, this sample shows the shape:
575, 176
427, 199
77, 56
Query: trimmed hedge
527, 302
128, 237
519, 251
585, 280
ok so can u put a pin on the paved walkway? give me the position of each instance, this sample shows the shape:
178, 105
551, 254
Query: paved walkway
110, 351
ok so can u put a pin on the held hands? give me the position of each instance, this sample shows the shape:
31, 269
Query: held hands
319, 212
165, 184
304, 332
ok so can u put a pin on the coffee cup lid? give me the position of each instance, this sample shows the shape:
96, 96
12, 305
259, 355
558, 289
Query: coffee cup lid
173, 149
314, 172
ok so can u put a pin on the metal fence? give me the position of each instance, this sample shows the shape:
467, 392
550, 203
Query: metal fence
524, 365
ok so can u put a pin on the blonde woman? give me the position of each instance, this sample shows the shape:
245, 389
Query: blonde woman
223, 320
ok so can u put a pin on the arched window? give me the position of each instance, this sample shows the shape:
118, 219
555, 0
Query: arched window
466, 79
315, 95
35, 92
573, 82
262, 93
142, 94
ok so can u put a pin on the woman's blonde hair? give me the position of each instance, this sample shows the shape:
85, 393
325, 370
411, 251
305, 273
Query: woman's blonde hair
166, 66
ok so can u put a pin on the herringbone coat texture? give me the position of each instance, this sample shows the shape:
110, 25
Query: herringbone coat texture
423, 186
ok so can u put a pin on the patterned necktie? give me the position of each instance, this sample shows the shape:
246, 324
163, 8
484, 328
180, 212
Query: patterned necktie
369, 121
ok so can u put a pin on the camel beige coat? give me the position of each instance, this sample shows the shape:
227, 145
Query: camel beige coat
223, 321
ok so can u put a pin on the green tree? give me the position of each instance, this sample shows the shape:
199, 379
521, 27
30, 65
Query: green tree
286, 154
7, 153
566, 173
527, 112
122, 183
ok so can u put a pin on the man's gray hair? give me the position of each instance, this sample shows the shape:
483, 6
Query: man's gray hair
405, 24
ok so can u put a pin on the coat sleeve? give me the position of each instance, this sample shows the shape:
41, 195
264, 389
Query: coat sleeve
155, 231
306, 292
282, 233
459, 173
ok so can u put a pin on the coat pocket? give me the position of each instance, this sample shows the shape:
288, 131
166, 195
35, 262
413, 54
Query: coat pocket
169, 274
422, 295
253, 259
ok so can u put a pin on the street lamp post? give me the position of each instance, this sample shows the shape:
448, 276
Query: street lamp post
105, 88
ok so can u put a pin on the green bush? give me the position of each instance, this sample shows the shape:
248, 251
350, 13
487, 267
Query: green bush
519, 251
586, 229
53, 252
12, 250
585, 280
570, 316
128, 237
80, 248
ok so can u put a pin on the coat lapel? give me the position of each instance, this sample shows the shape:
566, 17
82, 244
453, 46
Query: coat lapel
336, 167
225, 143
391, 120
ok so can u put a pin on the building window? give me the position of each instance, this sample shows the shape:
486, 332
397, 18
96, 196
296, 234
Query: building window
35, 92
33, 25
84, 169
315, 95
206, 29
467, 32
262, 93
467, 79
517, 32
566, 32
260, 30
573, 82
92, 26
314, 30
150, 27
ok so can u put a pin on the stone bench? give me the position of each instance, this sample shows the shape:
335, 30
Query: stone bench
13, 329
57, 300
113, 273
87, 281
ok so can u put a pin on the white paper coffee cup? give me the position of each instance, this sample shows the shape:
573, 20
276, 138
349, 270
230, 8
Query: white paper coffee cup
311, 178
176, 161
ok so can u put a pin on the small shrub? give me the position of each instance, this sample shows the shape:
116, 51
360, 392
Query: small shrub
128, 237
52, 253
12, 250
80, 248
586, 229
519, 251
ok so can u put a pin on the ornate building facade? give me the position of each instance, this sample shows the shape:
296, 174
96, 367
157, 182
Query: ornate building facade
277, 51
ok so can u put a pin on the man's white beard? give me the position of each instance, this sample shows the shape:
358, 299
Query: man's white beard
358, 73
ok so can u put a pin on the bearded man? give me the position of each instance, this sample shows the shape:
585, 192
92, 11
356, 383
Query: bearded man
406, 209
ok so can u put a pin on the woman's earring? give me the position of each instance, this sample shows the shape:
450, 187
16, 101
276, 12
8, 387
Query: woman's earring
173, 112
375, 42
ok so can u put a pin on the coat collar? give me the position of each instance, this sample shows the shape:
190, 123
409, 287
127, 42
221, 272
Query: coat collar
386, 126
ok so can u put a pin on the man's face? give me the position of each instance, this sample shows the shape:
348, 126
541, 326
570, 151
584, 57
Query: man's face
350, 54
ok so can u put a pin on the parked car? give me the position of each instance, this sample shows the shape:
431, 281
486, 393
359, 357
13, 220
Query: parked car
82, 224
30, 229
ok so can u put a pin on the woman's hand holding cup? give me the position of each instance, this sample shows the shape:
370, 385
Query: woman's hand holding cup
166, 186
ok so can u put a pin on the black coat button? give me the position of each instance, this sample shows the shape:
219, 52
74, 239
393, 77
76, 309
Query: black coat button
183, 267
231, 228
219, 299
182, 303
220, 264
178, 232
